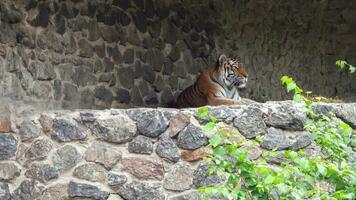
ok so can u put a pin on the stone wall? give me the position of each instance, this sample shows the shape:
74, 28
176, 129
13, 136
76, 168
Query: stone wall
114, 53
131, 154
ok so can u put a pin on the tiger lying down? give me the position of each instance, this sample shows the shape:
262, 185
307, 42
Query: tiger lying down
217, 85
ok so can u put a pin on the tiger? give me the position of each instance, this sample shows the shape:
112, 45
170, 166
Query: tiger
216, 85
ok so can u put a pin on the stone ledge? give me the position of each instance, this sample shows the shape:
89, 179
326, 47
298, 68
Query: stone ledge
139, 153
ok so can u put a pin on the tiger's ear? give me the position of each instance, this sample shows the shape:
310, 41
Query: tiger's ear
222, 59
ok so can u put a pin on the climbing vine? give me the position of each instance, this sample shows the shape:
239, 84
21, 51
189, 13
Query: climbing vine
326, 176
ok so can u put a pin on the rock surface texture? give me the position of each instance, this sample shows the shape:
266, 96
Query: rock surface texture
102, 154
96, 54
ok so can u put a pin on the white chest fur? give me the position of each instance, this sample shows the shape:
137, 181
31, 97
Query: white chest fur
232, 94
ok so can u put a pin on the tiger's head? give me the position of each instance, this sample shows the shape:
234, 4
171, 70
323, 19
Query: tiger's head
233, 71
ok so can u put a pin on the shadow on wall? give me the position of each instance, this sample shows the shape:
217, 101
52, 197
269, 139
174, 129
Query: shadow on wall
95, 54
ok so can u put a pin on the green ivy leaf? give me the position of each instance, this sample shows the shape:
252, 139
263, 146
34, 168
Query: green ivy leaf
291, 86
341, 63
298, 98
321, 169
203, 112
209, 126
352, 69
215, 140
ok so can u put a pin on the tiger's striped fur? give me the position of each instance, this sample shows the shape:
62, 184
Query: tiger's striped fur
217, 85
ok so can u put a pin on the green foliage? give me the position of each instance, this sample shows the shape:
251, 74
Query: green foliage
342, 64
301, 176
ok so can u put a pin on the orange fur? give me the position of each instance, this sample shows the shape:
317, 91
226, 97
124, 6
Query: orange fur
207, 90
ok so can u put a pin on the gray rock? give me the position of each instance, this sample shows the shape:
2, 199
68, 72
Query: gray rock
168, 67
143, 191
41, 172
221, 113
42, 17
179, 177
66, 158
150, 9
141, 145
301, 141
124, 4
191, 138
104, 154
116, 179
159, 84
104, 94
86, 50
346, 112
136, 97
7, 35
174, 55
155, 59
70, 92
250, 123
144, 88
29, 189
140, 21
148, 74
10, 13
41, 71
167, 97
277, 159
86, 99
87, 117
29, 130
100, 51
9, 171
286, 115
126, 77
109, 34
65, 71
83, 77
129, 56
8, 146
170, 33
179, 70
39, 149
188, 195
41, 89
67, 129
122, 96
108, 78
167, 149
202, 177
93, 30
4, 191
151, 123
86, 191
60, 24
116, 129
275, 139
90, 172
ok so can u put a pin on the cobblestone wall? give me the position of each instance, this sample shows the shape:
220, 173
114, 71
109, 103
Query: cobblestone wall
131, 154
112, 53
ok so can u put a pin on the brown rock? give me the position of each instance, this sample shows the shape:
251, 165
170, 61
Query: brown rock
5, 124
58, 192
46, 122
143, 169
194, 155
177, 123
